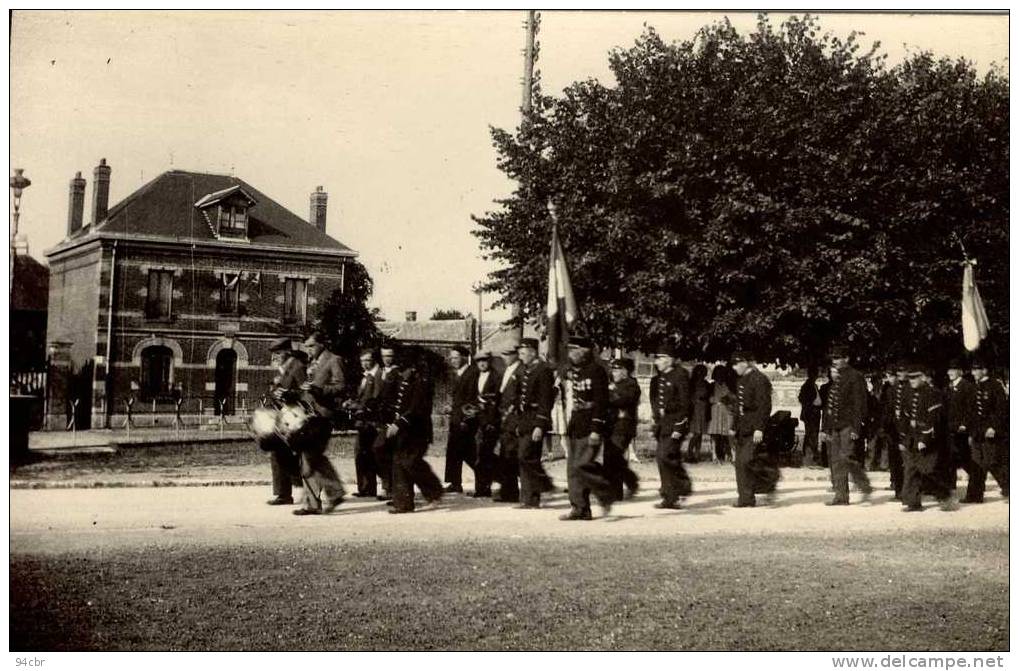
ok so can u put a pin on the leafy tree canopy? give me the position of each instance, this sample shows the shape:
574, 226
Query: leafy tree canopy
779, 190
448, 314
344, 320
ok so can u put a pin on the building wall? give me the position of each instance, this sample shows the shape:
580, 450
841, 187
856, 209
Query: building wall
196, 331
74, 303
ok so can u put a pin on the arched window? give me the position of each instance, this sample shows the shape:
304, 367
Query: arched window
157, 365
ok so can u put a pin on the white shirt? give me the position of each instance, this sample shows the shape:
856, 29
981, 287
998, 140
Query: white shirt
482, 379
507, 375
460, 371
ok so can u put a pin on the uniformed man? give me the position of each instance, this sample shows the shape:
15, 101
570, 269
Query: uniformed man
845, 412
286, 385
756, 473
624, 399
384, 446
535, 395
670, 410
364, 406
958, 401
323, 392
587, 430
921, 416
462, 425
508, 462
898, 396
989, 431
486, 384
410, 427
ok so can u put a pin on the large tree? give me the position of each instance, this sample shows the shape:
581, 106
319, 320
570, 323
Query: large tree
346, 322
779, 190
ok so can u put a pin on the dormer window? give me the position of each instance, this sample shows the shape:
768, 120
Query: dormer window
233, 220
226, 211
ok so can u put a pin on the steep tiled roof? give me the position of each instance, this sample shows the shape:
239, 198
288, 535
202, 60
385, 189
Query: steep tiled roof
165, 209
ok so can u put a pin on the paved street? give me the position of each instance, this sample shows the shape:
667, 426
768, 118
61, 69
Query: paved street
57, 520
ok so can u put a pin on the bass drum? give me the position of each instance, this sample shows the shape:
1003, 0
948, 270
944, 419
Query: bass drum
263, 422
291, 420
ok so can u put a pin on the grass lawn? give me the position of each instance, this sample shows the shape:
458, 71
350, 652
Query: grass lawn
945, 591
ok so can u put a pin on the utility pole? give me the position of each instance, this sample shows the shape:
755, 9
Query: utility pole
531, 27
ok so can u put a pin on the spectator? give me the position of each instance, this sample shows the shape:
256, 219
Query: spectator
698, 411
722, 399
810, 414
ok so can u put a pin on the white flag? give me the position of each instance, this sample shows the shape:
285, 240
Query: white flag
974, 318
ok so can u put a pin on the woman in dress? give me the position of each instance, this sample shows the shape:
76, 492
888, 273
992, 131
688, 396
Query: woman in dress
723, 399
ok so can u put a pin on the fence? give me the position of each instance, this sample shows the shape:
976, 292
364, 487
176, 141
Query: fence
28, 382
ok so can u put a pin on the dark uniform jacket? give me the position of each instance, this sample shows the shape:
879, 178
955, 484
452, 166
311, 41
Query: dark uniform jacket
753, 410
590, 385
386, 400
670, 401
922, 413
508, 397
624, 398
959, 400
535, 394
989, 409
290, 379
325, 374
847, 402
902, 395
412, 405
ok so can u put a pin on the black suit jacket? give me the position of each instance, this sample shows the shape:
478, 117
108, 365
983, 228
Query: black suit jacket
464, 391
624, 398
670, 401
754, 392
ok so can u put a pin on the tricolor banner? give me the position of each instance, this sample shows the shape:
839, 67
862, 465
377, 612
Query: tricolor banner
974, 318
561, 311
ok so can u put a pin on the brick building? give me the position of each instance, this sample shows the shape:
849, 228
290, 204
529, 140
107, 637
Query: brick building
175, 293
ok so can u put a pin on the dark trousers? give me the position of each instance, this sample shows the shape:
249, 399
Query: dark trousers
845, 464
895, 465
962, 457
675, 481
990, 455
384, 448
756, 471
616, 469
723, 447
508, 465
321, 481
286, 469
364, 461
878, 445
920, 472
410, 469
811, 447
533, 478
484, 458
693, 447
461, 448
586, 476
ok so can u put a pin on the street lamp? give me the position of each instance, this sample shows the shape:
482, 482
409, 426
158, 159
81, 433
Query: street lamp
18, 184
481, 333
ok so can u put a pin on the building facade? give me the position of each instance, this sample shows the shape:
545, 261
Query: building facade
165, 304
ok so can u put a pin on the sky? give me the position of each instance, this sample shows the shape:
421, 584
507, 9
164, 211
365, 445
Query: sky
389, 111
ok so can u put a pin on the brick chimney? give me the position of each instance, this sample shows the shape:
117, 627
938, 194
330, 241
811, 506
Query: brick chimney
410, 316
318, 208
76, 204
100, 191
